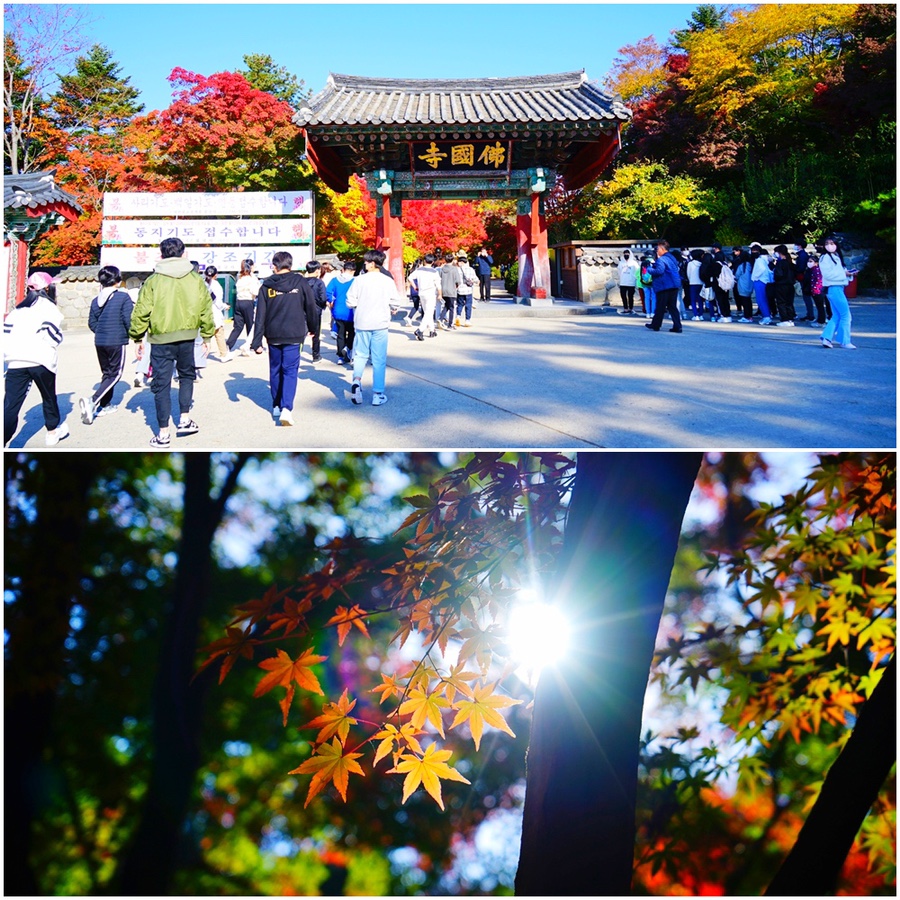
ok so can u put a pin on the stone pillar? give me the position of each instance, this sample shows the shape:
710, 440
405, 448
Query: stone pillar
389, 236
523, 250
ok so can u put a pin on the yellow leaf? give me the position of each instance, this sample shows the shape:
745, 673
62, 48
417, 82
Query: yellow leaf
425, 706
390, 736
335, 719
388, 688
427, 771
483, 709
329, 763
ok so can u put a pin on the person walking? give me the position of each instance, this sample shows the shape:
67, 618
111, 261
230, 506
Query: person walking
109, 318
743, 286
628, 268
374, 296
219, 309
32, 333
483, 263
695, 285
666, 279
427, 280
341, 314
451, 279
173, 305
313, 275
465, 292
285, 305
801, 260
246, 290
835, 276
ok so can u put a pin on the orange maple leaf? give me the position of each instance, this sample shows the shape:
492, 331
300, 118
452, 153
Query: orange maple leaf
391, 735
334, 720
329, 763
283, 670
388, 688
292, 617
345, 618
237, 642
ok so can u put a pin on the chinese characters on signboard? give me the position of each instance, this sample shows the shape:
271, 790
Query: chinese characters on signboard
461, 156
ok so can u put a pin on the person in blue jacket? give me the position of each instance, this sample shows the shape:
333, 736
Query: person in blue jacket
666, 281
483, 262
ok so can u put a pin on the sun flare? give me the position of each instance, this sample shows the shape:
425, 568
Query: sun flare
538, 634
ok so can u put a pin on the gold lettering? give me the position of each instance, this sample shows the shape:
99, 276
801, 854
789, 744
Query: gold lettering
495, 155
432, 156
462, 155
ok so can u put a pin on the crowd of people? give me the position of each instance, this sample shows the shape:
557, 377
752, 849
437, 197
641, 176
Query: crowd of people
178, 312
701, 285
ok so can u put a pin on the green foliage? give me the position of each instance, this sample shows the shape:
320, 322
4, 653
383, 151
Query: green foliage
262, 74
511, 279
645, 197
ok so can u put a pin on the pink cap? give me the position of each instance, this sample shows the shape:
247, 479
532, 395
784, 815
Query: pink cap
39, 280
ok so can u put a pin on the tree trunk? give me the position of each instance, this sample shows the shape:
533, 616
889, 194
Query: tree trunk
152, 858
848, 792
50, 573
621, 536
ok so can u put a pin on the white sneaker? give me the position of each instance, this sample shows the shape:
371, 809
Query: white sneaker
848, 346
59, 433
356, 393
87, 410
379, 399
745, 321
765, 321
245, 351
286, 418
787, 323
725, 319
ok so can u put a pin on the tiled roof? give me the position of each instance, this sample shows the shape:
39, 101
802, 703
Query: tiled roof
350, 100
33, 190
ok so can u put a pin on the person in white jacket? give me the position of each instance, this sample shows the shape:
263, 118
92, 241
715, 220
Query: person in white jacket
761, 276
835, 276
375, 297
628, 268
32, 333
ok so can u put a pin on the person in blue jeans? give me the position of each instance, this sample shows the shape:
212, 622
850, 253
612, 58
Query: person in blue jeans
835, 277
286, 312
375, 297
666, 281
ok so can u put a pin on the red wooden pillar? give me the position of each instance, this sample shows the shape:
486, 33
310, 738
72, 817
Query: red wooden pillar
389, 236
16, 252
533, 252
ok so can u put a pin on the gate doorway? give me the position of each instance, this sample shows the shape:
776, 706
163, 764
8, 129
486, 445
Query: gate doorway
464, 139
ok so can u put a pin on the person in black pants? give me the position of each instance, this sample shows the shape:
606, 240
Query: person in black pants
313, 276
666, 280
483, 263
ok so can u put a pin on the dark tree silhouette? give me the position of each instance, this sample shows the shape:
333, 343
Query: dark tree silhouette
621, 535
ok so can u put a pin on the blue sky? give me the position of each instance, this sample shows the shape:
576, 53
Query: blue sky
445, 40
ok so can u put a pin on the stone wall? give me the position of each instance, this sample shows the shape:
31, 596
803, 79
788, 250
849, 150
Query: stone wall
77, 287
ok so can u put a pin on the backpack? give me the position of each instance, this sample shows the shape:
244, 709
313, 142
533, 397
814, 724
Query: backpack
726, 277
646, 275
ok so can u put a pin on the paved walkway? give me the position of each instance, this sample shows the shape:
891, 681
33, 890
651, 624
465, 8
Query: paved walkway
527, 378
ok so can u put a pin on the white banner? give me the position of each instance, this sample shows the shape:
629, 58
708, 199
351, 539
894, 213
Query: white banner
225, 259
208, 231
185, 203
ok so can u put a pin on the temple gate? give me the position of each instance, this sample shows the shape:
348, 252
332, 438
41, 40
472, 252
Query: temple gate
463, 139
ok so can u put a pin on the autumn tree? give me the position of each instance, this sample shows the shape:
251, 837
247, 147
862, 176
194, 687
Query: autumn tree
39, 43
221, 134
83, 142
638, 71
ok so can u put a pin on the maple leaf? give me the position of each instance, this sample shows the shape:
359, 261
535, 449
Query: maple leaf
345, 618
391, 735
254, 611
292, 617
329, 763
388, 688
428, 771
334, 720
283, 670
423, 706
483, 709
456, 681
236, 642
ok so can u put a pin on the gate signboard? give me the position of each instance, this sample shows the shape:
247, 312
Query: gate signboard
246, 225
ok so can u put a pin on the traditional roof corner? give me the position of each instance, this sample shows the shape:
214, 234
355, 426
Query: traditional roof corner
36, 191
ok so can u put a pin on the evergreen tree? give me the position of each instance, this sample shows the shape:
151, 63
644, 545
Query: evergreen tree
95, 97
705, 17
264, 75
